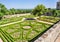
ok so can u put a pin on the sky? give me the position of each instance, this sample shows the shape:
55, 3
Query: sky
28, 4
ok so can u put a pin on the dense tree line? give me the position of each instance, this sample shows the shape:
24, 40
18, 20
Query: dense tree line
42, 10
37, 11
5, 11
19, 11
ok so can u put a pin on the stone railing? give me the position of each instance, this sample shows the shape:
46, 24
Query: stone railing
50, 35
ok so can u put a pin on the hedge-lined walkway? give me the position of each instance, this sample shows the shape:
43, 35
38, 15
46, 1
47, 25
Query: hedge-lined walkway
23, 20
12, 23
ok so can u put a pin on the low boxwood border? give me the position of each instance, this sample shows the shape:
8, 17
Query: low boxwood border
6, 36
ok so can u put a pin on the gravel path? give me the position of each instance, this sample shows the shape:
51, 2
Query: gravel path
44, 22
16, 15
22, 21
12, 23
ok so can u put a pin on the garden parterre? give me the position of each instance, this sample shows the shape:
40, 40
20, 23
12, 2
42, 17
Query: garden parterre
17, 32
23, 31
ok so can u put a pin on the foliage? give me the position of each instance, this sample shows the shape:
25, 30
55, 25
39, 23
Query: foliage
5, 11
55, 13
39, 10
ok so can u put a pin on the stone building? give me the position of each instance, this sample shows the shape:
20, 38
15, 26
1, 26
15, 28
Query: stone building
58, 5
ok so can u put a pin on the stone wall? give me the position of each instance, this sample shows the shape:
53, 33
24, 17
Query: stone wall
50, 35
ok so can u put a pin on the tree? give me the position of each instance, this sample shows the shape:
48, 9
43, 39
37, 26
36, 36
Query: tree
39, 10
12, 11
54, 12
58, 13
3, 10
1, 14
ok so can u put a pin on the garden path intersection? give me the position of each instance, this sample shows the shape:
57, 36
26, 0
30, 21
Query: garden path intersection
22, 21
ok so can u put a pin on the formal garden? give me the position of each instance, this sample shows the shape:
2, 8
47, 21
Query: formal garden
27, 29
